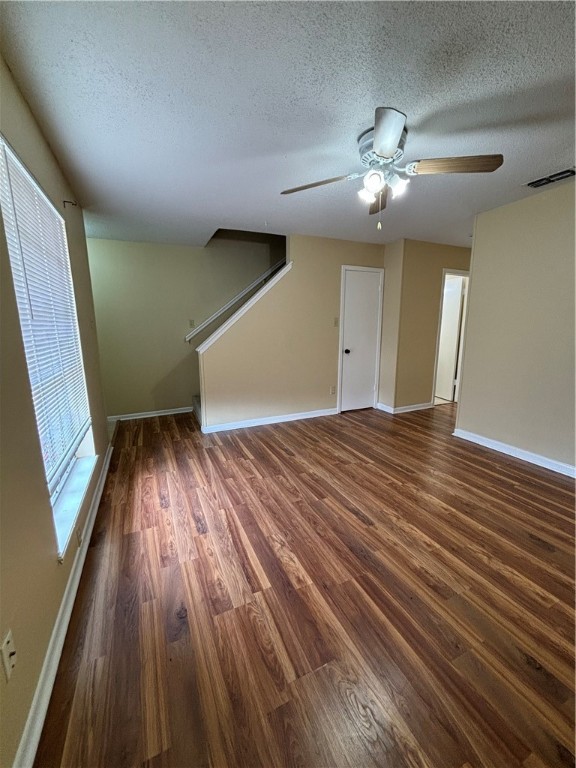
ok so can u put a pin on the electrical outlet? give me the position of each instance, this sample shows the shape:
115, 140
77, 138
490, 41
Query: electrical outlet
8, 654
192, 323
336, 322
332, 390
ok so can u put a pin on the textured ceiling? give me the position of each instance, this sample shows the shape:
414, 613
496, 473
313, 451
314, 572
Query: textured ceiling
172, 119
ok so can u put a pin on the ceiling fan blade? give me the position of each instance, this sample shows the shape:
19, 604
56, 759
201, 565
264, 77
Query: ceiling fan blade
314, 184
469, 164
380, 203
388, 127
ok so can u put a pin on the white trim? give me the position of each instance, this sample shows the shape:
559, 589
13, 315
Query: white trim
462, 339
462, 326
202, 391
233, 301
37, 714
404, 408
518, 453
351, 268
268, 420
148, 414
243, 309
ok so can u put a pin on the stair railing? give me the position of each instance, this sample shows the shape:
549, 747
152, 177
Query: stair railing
263, 277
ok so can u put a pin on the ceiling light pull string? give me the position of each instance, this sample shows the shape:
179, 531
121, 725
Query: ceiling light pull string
379, 225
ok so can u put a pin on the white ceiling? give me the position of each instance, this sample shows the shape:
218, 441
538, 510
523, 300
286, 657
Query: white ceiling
173, 119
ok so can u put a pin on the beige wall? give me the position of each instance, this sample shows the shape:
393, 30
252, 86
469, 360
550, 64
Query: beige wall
420, 316
411, 315
145, 295
518, 365
393, 265
281, 357
32, 582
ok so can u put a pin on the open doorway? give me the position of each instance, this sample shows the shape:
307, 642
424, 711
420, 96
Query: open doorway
450, 337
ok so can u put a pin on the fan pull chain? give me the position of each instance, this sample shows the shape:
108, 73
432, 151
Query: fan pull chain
379, 225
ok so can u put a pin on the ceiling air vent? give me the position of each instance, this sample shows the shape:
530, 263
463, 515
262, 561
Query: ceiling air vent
552, 178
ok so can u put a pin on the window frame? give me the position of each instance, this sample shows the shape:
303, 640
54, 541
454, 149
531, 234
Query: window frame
41, 269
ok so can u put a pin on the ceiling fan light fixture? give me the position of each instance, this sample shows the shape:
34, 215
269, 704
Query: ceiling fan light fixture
374, 181
397, 185
366, 196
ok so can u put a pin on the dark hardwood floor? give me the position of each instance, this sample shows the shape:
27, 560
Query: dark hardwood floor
357, 590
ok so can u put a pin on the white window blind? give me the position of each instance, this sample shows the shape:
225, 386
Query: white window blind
38, 250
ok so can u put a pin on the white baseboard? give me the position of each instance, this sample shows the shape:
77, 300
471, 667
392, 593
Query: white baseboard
518, 453
148, 414
403, 408
269, 420
37, 714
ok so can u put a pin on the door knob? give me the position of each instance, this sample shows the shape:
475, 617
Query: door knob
346, 351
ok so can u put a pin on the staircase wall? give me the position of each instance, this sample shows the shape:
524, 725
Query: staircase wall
281, 357
145, 294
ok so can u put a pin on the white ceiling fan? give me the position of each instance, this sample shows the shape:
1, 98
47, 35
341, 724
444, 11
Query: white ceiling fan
381, 151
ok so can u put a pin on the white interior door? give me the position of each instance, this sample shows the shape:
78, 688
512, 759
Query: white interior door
449, 341
360, 313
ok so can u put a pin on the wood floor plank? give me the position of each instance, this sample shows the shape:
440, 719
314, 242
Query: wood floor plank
527, 669
492, 740
261, 507
477, 556
349, 712
302, 740
353, 591
188, 737
550, 738
316, 557
186, 523
398, 744
253, 572
216, 707
167, 544
153, 681
96, 598
297, 626
120, 697
230, 561
253, 743
149, 581
531, 631
211, 575
87, 717
173, 601
422, 711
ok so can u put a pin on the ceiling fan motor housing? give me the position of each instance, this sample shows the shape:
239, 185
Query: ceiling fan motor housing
369, 158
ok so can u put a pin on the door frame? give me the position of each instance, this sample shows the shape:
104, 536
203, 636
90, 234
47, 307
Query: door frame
461, 273
351, 268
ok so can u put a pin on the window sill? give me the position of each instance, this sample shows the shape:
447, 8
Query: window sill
69, 501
